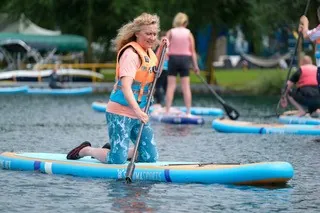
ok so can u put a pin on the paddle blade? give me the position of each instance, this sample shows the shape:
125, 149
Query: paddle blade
129, 172
231, 112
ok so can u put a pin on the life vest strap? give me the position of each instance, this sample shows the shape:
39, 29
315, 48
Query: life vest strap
118, 87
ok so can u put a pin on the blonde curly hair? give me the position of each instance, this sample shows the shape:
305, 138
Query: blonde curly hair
180, 19
127, 32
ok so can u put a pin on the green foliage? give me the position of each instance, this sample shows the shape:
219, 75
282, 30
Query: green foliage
251, 82
42, 12
108, 15
279, 12
99, 20
236, 78
269, 82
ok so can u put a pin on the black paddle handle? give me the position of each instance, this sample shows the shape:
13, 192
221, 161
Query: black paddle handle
131, 165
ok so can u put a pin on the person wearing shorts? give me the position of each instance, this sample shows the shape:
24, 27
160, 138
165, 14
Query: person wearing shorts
181, 54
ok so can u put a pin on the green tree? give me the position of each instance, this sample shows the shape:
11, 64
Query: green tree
98, 20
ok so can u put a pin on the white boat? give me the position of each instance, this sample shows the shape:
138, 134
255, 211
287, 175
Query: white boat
13, 73
34, 75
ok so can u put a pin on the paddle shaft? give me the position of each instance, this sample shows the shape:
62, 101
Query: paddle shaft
212, 90
230, 111
292, 59
131, 165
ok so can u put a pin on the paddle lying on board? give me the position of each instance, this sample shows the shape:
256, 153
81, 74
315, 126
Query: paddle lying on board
131, 165
291, 63
231, 112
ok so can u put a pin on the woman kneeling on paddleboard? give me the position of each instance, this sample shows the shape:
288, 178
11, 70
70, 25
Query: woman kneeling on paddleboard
306, 95
136, 63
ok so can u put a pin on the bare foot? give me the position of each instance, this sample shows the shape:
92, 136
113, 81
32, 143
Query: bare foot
301, 113
189, 115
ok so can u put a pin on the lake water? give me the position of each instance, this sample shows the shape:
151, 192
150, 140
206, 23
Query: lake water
57, 124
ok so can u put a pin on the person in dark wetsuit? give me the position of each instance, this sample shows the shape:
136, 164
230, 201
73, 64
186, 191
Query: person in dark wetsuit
162, 82
306, 94
54, 81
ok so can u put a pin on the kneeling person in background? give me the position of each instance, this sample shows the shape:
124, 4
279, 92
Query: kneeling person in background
54, 81
306, 93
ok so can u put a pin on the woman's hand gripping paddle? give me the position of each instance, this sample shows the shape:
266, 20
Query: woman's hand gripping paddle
131, 165
231, 112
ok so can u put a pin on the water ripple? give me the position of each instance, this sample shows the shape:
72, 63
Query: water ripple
56, 124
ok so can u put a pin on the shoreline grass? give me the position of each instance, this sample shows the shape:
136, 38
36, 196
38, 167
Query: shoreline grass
251, 81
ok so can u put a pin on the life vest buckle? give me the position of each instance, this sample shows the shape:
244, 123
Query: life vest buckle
154, 69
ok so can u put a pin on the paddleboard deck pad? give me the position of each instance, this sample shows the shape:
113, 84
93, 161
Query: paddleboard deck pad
290, 117
299, 120
264, 173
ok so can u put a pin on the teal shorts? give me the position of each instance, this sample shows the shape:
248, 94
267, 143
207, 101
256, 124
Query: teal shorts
122, 130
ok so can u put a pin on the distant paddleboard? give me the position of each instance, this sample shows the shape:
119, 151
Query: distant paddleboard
203, 111
12, 90
229, 126
175, 116
69, 91
99, 106
102, 106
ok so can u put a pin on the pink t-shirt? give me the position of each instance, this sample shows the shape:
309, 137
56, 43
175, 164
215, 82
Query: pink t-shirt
129, 64
180, 42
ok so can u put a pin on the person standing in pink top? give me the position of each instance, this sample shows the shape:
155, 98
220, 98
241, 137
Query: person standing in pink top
181, 54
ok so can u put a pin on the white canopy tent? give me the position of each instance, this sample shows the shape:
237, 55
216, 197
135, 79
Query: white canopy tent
27, 27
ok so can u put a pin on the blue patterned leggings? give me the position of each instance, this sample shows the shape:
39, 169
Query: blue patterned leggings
122, 130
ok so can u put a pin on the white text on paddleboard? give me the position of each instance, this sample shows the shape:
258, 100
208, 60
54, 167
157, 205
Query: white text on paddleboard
5, 164
138, 175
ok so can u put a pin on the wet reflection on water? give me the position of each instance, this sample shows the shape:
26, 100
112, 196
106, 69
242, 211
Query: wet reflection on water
130, 197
